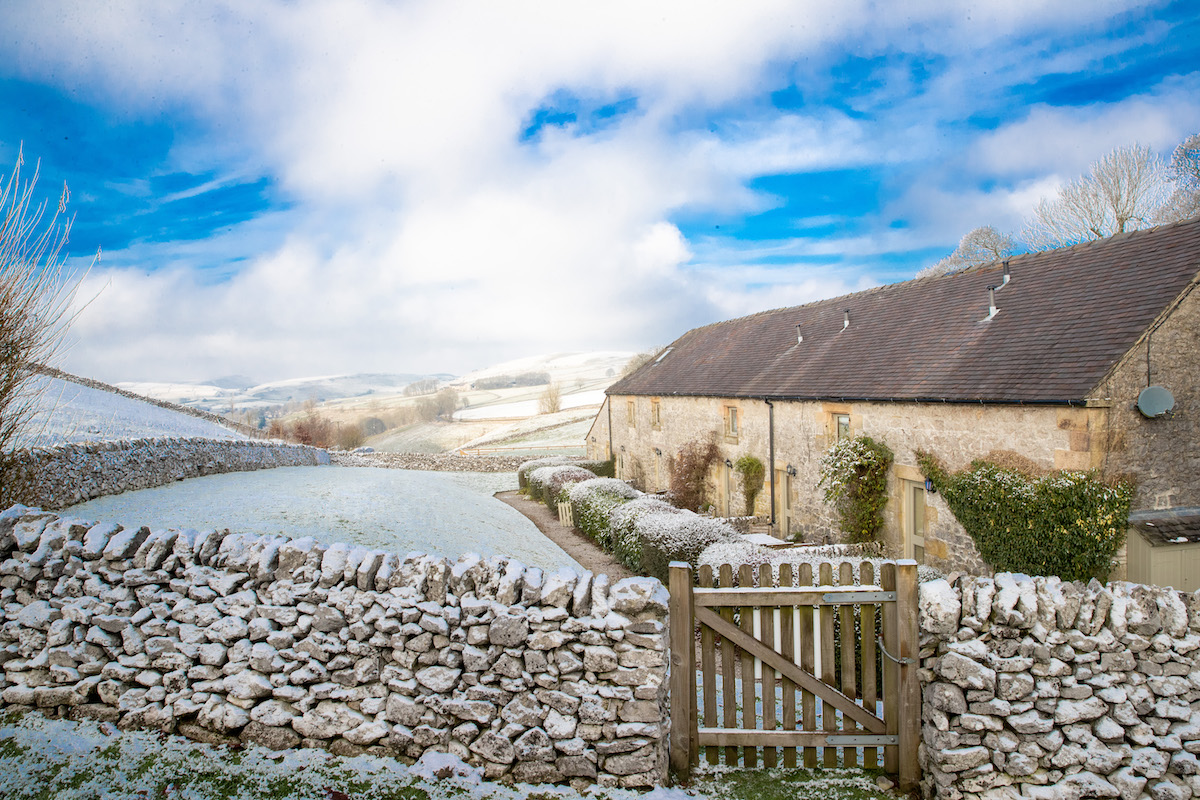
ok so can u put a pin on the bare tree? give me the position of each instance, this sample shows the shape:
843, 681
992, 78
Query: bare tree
980, 246
551, 400
1123, 191
36, 293
639, 360
1184, 172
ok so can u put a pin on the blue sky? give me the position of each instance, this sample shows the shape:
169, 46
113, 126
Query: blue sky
287, 189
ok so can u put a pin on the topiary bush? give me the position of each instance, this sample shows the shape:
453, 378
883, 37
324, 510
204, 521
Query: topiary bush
593, 502
1065, 523
546, 483
854, 474
752, 472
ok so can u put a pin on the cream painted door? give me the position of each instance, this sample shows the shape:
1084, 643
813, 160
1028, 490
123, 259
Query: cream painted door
914, 521
783, 503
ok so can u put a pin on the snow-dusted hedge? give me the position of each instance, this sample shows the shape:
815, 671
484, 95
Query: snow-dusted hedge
528, 467
626, 531
546, 483
592, 503
739, 551
678, 537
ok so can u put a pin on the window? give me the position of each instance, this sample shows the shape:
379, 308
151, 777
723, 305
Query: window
841, 423
731, 423
655, 414
629, 414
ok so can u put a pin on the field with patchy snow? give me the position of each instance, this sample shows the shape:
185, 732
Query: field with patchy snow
443, 513
69, 413
60, 760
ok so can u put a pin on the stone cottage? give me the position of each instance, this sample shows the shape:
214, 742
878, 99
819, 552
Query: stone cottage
1044, 355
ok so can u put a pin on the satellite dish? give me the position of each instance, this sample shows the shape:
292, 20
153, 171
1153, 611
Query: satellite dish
1154, 401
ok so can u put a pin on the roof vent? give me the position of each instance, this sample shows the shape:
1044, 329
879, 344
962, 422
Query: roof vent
799, 335
845, 319
992, 310
1007, 277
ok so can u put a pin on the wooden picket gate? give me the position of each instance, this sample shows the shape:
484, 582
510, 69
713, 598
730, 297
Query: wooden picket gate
788, 652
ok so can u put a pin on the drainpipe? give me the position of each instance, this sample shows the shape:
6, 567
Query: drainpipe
771, 446
608, 402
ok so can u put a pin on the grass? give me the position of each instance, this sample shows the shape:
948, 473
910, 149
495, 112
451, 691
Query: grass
45, 759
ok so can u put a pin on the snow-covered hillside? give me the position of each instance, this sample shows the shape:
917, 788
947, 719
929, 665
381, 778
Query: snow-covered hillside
68, 412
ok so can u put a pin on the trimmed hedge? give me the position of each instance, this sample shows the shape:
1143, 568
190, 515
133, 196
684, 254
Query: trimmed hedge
546, 483
529, 466
593, 502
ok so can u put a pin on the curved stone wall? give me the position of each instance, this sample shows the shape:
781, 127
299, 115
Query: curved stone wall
58, 477
281, 642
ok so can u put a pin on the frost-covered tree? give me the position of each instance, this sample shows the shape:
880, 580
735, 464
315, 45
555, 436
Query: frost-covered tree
980, 246
1184, 172
1123, 191
36, 292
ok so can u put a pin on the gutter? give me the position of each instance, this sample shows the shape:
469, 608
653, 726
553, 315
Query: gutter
771, 448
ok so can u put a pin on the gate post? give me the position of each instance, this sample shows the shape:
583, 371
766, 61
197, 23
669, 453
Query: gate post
683, 671
910, 683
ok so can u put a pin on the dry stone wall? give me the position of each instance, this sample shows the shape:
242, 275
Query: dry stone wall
59, 477
1037, 689
285, 643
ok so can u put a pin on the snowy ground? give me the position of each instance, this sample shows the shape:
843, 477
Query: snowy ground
443, 513
70, 413
44, 758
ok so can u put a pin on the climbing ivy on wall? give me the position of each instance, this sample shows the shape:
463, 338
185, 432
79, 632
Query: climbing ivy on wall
1064, 523
752, 472
854, 474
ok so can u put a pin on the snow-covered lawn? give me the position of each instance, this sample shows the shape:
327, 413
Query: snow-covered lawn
71, 413
62, 760
443, 513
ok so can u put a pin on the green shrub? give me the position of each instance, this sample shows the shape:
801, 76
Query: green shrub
1069, 524
854, 474
603, 469
525, 469
752, 472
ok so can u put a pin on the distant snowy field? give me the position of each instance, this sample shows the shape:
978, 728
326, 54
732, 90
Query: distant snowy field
70, 413
529, 408
442, 513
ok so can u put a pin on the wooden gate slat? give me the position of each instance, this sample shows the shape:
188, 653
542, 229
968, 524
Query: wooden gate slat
787, 646
766, 578
808, 660
728, 682
891, 670
708, 671
749, 711
828, 666
849, 665
869, 657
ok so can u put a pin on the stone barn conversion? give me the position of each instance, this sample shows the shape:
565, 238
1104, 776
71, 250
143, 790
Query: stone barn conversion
1044, 355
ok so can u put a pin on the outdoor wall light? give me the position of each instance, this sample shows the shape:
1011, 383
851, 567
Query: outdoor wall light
728, 463
657, 452
929, 486
791, 470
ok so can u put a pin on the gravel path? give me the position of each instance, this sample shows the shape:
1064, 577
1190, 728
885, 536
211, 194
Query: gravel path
577, 545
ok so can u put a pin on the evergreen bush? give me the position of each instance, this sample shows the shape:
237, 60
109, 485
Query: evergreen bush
592, 503
752, 472
545, 483
1065, 523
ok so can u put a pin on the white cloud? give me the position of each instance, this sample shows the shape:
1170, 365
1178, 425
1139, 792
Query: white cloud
1069, 139
425, 235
